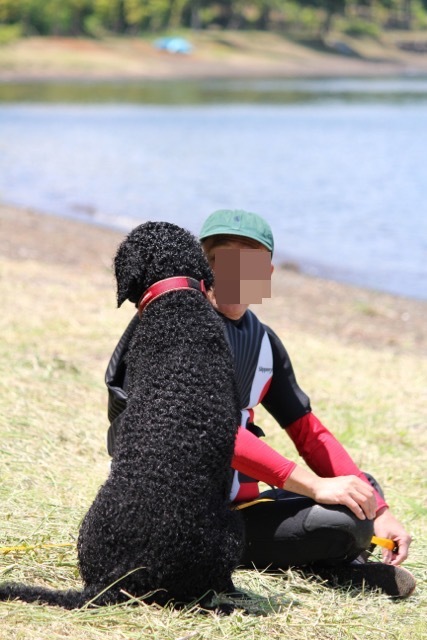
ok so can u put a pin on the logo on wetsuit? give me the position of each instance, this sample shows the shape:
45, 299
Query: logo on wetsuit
265, 369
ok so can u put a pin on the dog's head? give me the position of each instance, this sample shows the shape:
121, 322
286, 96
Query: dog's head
154, 251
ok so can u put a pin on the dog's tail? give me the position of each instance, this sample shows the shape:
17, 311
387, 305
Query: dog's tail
68, 599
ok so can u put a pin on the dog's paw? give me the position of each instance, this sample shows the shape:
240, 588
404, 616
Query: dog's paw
224, 609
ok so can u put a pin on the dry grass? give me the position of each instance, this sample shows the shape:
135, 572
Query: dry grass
59, 324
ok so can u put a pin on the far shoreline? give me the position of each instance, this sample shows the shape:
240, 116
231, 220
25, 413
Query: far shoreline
366, 71
283, 261
304, 303
216, 55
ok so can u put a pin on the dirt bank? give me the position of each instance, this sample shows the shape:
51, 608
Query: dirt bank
301, 303
215, 54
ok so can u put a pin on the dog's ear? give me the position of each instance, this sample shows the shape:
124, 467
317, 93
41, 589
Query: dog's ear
125, 293
128, 269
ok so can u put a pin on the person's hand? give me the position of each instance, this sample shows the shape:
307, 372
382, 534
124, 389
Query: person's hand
350, 491
387, 526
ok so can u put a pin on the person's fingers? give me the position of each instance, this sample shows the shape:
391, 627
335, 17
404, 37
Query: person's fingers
401, 553
349, 491
355, 507
366, 503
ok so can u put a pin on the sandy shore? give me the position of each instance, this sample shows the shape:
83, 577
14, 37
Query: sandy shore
215, 55
299, 302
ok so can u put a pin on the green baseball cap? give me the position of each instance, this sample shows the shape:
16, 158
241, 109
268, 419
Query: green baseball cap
238, 223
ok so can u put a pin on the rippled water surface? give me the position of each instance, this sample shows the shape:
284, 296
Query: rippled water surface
337, 167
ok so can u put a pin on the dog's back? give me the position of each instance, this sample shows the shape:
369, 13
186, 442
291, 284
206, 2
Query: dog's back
168, 492
160, 527
170, 480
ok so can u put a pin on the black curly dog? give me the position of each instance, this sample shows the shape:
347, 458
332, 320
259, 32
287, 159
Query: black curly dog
160, 528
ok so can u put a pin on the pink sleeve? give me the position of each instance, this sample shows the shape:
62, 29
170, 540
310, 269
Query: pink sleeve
258, 460
323, 453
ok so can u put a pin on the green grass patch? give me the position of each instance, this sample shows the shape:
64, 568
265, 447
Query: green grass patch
58, 334
9, 33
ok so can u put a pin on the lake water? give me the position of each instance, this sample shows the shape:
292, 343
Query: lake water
337, 167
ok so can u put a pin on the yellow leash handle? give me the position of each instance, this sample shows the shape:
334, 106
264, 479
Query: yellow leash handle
31, 547
245, 505
384, 542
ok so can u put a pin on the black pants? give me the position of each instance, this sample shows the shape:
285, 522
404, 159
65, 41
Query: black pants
292, 530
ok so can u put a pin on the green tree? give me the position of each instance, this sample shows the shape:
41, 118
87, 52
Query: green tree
177, 9
110, 14
9, 11
331, 9
147, 14
97, 17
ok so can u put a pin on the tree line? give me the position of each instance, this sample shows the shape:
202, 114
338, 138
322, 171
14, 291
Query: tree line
98, 18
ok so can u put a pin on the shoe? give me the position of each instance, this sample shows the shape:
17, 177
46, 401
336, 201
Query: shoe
396, 582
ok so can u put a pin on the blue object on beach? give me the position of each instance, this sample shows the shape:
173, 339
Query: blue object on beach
173, 45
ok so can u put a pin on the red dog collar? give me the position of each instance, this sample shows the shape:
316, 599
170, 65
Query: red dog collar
169, 284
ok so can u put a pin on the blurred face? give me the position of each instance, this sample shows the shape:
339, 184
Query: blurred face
242, 271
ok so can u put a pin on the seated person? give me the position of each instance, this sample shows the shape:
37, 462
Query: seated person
324, 518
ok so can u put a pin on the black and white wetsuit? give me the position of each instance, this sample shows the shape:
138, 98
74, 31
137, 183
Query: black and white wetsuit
287, 529
264, 374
